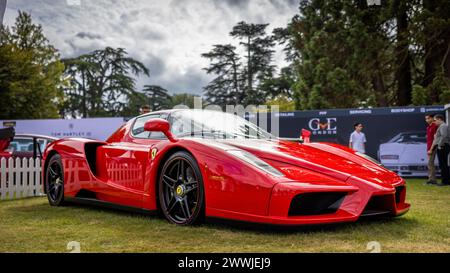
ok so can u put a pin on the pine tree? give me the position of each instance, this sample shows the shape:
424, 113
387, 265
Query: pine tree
225, 89
101, 82
259, 56
158, 97
30, 72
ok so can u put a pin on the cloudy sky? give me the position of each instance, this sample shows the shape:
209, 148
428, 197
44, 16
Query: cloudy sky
168, 36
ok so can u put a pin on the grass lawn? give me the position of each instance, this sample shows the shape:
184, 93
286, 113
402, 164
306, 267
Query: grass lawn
31, 225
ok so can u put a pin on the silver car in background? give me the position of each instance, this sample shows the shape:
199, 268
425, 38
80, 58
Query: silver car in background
406, 154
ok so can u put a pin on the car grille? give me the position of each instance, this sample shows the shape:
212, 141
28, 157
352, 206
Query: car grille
316, 203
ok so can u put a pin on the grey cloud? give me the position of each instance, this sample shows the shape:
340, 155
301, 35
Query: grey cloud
233, 3
168, 37
191, 82
281, 5
88, 35
153, 35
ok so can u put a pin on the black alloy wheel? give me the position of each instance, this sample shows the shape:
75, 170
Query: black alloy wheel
54, 181
181, 193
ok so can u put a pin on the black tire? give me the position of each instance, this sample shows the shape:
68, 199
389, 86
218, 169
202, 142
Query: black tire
181, 190
54, 181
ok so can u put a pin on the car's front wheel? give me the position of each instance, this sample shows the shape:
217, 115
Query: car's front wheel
54, 181
181, 192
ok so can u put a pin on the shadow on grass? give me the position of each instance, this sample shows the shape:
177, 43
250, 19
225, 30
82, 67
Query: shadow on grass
398, 225
406, 225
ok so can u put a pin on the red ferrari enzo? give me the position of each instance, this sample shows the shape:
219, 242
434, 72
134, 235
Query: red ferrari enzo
189, 164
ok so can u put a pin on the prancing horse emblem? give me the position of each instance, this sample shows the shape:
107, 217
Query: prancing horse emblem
154, 151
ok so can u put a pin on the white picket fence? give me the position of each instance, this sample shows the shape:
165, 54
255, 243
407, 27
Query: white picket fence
20, 178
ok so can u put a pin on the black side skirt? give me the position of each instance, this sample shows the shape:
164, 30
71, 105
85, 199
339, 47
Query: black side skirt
109, 205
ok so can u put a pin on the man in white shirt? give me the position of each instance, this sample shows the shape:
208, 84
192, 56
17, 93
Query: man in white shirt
358, 139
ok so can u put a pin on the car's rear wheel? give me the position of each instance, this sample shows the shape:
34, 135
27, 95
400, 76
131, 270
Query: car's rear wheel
54, 181
181, 192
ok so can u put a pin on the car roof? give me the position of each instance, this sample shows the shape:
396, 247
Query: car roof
169, 111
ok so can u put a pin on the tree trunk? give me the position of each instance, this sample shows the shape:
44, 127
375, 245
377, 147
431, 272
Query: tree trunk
84, 96
380, 89
432, 52
249, 69
403, 56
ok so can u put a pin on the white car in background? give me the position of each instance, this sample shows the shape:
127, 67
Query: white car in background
406, 154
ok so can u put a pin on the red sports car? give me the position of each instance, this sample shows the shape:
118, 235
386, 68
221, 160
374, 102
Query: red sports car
189, 164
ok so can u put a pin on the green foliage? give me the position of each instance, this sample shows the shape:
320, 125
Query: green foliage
340, 55
101, 83
158, 97
30, 72
419, 95
352, 55
134, 103
183, 99
284, 103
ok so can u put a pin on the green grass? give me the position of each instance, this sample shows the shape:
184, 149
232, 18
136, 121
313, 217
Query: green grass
31, 225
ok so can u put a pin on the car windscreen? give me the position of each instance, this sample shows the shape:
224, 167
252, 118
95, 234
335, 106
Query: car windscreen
214, 124
409, 138
25, 144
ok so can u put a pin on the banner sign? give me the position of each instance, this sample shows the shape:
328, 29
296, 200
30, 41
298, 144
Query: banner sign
94, 128
395, 136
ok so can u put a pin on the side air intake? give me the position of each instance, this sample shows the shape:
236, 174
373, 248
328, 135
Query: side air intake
90, 150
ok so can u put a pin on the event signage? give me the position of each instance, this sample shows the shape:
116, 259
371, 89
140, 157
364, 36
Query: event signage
95, 128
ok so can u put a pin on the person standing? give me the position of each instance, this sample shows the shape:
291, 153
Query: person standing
441, 144
431, 131
358, 139
145, 109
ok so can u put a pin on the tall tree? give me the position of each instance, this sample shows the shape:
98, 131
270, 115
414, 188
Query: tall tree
434, 36
30, 72
403, 57
225, 63
236, 81
345, 55
259, 54
101, 82
158, 97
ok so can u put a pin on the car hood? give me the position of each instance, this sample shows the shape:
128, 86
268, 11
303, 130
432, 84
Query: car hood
329, 159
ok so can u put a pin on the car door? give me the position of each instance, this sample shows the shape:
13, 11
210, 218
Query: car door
125, 164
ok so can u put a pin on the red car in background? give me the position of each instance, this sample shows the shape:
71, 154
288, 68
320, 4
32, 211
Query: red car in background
192, 164
22, 145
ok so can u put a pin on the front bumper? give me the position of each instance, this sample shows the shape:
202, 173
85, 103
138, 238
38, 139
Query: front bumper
361, 199
405, 170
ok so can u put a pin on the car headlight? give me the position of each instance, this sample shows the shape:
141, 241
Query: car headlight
255, 161
369, 158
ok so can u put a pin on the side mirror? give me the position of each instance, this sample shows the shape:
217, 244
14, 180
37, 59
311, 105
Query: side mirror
159, 125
